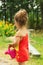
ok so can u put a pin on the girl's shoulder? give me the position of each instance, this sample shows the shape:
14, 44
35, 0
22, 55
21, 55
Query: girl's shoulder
21, 32
17, 33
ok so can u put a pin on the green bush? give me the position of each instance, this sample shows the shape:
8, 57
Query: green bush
34, 20
7, 29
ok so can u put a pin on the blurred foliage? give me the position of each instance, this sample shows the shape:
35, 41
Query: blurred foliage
34, 22
33, 7
7, 29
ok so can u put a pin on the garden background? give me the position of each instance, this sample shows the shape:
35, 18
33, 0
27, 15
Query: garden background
8, 8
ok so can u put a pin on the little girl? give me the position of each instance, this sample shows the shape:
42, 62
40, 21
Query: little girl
21, 37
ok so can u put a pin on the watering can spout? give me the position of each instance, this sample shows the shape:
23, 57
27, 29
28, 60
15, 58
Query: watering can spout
6, 52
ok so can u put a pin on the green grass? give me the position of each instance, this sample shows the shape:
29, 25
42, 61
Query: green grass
36, 41
4, 42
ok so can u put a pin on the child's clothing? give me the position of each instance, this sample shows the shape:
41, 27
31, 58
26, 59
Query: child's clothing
23, 53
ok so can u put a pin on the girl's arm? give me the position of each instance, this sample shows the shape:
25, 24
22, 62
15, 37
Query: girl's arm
16, 41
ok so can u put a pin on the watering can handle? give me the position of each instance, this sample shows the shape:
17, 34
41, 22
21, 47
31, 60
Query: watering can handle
9, 48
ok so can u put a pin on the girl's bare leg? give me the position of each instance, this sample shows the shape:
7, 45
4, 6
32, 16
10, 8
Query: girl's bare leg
21, 63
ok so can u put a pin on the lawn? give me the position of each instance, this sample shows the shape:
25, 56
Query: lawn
36, 39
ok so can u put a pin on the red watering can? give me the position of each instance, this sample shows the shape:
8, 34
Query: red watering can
12, 52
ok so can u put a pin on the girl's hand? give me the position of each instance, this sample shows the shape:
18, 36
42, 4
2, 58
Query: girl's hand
10, 45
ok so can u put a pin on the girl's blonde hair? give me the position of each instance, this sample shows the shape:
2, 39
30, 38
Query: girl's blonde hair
21, 17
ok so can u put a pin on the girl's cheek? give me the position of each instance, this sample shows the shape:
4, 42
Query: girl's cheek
15, 24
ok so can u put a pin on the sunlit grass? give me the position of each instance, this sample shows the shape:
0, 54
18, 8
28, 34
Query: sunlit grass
37, 42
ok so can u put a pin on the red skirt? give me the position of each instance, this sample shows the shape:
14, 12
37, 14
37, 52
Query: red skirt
22, 56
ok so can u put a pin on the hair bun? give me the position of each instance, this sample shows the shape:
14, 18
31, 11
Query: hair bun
21, 16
